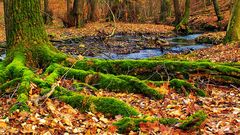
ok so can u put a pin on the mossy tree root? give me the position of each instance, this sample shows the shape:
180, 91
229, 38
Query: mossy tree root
127, 124
105, 105
9, 84
121, 83
182, 86
163, 70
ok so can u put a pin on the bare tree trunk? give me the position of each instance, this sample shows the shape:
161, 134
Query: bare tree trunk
92, 4
217, 10
177, 11
165, 10
78, 13
68, 7
47, 15
182, 26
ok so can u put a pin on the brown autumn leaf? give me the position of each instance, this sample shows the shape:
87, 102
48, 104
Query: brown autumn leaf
112, 129
3, 124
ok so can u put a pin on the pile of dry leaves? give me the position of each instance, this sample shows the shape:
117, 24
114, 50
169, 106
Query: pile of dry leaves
55, 117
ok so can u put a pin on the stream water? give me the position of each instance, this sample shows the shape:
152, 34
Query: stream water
178, 44
126, 46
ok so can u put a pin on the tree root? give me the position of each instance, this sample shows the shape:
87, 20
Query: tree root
185, 87
163, 70
94, 75
105, 105
8, 84
122, 83
127, 124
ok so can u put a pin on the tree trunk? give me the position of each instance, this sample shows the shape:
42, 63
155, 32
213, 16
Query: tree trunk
47, 13
217, 10
233, 30
92, 10
182, 26
25, 32
68, 6
28, 47
177, 11
165, 10
78, 13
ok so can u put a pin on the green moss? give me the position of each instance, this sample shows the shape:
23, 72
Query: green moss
185, 87
158, 70
21, 104
8, 84
53, 76
79, 86
41, 83
111, 82
28, 75
141, 87
193, 121
127, 124
16, 68
168, 121
107, 106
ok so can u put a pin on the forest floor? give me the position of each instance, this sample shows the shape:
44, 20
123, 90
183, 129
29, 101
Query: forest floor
222, 103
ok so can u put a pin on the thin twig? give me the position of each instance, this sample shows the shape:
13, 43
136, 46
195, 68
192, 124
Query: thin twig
15, 90
235, 87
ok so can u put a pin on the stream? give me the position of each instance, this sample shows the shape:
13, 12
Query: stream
123, 46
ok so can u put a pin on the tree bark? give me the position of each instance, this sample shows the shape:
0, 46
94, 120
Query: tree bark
47, 13
78, 13
217, 10
233, 30
165, 10
182, 26
68, 6
92, 10
177, 11
25, 32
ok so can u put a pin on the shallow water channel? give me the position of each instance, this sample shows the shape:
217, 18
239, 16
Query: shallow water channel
178, 44
122, 46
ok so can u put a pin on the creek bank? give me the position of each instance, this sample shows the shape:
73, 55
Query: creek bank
211, 38
129, 46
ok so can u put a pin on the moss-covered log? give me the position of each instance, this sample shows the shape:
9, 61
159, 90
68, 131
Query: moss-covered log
127, 124
162, 70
